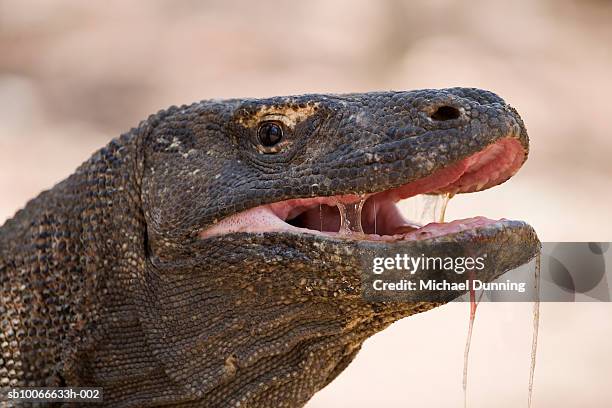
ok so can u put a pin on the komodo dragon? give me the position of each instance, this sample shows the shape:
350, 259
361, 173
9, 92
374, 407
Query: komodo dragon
196, 259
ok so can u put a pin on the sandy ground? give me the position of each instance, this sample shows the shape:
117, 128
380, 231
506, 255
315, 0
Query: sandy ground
75, 74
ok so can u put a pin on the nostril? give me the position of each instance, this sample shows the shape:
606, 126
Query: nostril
445, 113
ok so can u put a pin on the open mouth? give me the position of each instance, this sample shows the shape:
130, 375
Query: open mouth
376, 216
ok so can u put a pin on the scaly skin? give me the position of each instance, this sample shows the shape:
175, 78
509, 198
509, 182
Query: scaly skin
105, 280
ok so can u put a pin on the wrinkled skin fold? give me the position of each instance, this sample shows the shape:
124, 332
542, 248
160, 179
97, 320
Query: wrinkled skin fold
108, 279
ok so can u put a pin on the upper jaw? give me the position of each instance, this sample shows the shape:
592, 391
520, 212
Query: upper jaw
486, 168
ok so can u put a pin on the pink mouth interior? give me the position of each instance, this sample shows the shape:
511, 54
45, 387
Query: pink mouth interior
380, 217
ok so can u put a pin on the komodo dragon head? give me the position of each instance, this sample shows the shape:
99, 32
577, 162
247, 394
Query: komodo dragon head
199, 259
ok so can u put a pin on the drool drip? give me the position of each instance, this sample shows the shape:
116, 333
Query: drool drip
374, 203
435, 207
320, 218
534, 341
350, 217
466, 355
445, 199
426, 208
536, 325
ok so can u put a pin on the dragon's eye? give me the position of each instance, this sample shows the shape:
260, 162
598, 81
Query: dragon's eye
269, 134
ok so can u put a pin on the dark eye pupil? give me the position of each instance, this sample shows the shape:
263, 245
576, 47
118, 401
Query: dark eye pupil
270, 134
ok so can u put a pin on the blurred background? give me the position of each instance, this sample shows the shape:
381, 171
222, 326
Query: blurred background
75, 74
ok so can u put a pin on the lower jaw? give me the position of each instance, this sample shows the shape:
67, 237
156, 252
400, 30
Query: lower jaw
428, 231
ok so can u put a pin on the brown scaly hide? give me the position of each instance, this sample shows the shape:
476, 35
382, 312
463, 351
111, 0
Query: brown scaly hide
105, 282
